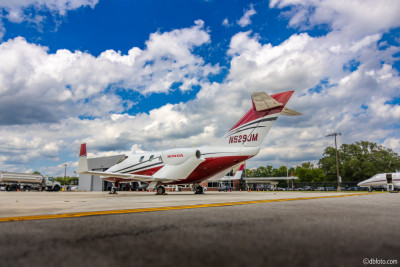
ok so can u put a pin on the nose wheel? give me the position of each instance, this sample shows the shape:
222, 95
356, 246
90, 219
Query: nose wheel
114, 188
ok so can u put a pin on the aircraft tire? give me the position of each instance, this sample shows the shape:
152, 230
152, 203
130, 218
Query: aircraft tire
160, 190
199, 190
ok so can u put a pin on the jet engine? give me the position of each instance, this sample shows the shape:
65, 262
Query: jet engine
179, 156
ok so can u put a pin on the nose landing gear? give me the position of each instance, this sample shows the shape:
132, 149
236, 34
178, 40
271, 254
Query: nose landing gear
114, 188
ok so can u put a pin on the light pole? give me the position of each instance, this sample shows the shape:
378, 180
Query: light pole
287, 173
65, 173
337, 159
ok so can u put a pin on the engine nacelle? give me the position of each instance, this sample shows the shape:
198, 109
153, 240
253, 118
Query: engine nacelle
179, 156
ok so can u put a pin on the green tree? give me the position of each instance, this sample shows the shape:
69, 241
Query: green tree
307, 172
359, 161
68, 180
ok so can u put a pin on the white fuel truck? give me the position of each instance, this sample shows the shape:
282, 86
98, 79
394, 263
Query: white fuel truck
13, 181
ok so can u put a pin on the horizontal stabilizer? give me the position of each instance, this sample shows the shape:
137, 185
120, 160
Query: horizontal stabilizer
263, 101
290, 112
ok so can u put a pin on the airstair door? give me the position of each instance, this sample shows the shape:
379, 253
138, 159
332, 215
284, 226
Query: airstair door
389, 180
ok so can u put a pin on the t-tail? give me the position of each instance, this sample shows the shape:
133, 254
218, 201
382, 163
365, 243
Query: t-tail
252, 128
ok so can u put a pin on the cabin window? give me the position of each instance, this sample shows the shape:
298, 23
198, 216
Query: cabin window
141, 159
151, 158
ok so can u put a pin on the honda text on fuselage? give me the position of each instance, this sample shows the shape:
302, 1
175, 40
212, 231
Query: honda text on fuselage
194, 165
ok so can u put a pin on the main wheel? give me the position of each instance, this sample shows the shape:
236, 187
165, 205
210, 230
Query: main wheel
199, 190
160, 190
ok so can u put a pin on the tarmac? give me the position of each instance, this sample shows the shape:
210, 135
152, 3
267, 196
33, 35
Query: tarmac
42, 203
214, 229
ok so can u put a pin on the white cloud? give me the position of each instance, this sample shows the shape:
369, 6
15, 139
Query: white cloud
245, 20
332, 97
36, 86
35, 11
352, 18
225, 22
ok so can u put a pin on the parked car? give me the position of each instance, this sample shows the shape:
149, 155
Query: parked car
321, 188
225, 188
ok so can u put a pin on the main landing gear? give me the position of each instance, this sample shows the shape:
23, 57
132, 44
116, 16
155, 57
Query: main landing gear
160, 189
198, 189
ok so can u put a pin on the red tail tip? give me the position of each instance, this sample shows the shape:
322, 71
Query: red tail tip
83, 150
241, 167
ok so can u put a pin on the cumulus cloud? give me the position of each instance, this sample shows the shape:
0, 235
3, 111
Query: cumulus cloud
48, 100
352, 18
245, 20
35, 11
36, 86
342, 82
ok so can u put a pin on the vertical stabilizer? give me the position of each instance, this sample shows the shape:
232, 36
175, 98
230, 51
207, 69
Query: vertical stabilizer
252, 128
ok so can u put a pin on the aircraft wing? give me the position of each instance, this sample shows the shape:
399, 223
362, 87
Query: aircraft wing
126, 176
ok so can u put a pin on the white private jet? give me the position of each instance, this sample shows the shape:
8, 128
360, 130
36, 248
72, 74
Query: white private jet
194, 165
389, 181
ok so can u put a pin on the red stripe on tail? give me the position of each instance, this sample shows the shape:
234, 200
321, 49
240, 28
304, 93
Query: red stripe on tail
83, 150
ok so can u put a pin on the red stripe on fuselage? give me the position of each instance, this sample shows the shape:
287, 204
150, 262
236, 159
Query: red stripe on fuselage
211, 167
252, 114
206, 170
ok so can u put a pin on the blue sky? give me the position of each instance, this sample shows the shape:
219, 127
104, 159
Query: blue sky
132, 76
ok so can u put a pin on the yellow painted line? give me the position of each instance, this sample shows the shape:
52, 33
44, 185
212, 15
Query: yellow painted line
139, 210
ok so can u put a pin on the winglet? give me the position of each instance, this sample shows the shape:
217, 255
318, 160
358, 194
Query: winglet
83, 150
239, 172
83, 162
241, 167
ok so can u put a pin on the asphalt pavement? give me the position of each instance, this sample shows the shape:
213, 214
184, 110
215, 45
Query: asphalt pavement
338, 231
